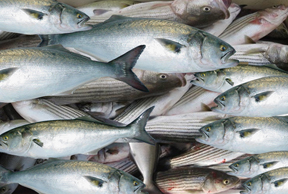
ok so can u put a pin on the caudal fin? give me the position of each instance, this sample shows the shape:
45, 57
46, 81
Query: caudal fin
138, 128
3, 175
124, 65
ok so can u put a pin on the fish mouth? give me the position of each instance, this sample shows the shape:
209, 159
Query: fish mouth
139, 189
182, 79
247, 188
232, 167
224, 7
226, 56
218, 102
81, 23
206, 136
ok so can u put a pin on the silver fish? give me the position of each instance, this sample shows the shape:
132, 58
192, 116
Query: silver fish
260, 163
71, 177
258, 98
41, 17
109, 90
271, 182
29, 79
198, 180
222, 80
171, 47
191, 12
247, 134
8, 125
61, 138
254, 26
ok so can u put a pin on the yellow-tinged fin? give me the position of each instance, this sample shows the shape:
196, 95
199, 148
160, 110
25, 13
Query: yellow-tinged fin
249, 40
38, 142
262, 96
170, 45
247, 132
34, 14
279, 183
6, 73
229, 81
95, 181
269, 164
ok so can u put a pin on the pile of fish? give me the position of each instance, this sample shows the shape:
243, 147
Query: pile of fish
125, 96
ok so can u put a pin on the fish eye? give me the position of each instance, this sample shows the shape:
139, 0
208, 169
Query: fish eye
3, 189
203, 74
223, 48
226, 181
237, 165
5, 138
206, 9
163, 76
208, 129
223, 98
135, 183
249, 184
79, 15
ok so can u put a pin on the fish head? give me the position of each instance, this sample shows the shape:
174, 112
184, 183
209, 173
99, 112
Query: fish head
213, 133
8, 189
212, 52
201, 13
14, 141
256, 184
130, 184
274, 15
245, 167
68, 19
233, 101
211, 80
218, 181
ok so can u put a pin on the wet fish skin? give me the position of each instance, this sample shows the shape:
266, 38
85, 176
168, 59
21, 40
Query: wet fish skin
274, 181
257, 98
61, 138
222, 80
60, 176
41, 70
171, 47
201, 180
260, 163
41, 17
247, 134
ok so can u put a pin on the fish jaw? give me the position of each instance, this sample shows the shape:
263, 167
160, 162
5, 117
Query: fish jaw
224, 5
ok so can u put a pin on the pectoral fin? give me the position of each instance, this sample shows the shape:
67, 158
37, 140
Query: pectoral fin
38, 142
229, 81
6, 73
34, 14
247, 132
269, 164
278, 183
170, 45
95, 181
262, 96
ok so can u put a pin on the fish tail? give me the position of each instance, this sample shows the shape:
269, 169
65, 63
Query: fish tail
3, 175
124, 65
48, 40
138, 128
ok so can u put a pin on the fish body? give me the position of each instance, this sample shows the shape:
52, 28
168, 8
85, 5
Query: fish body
254, 26
41, 17
252, 135
271, 182
61, 138
260, 163
222, 80
197, 180
71, 177
34, 72
263, 97
171, 47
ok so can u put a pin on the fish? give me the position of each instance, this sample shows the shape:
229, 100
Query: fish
222, 80
257, 98
8, 125
190, 12
101, 7
252, 27
219, 27
146, 157
111, 90
61, 138
20, 41
274, 181
29, 79
260, 163
252, 135
171, 47
193, 179
7, 35
196, 99
61, 176
281, 32
41, 17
